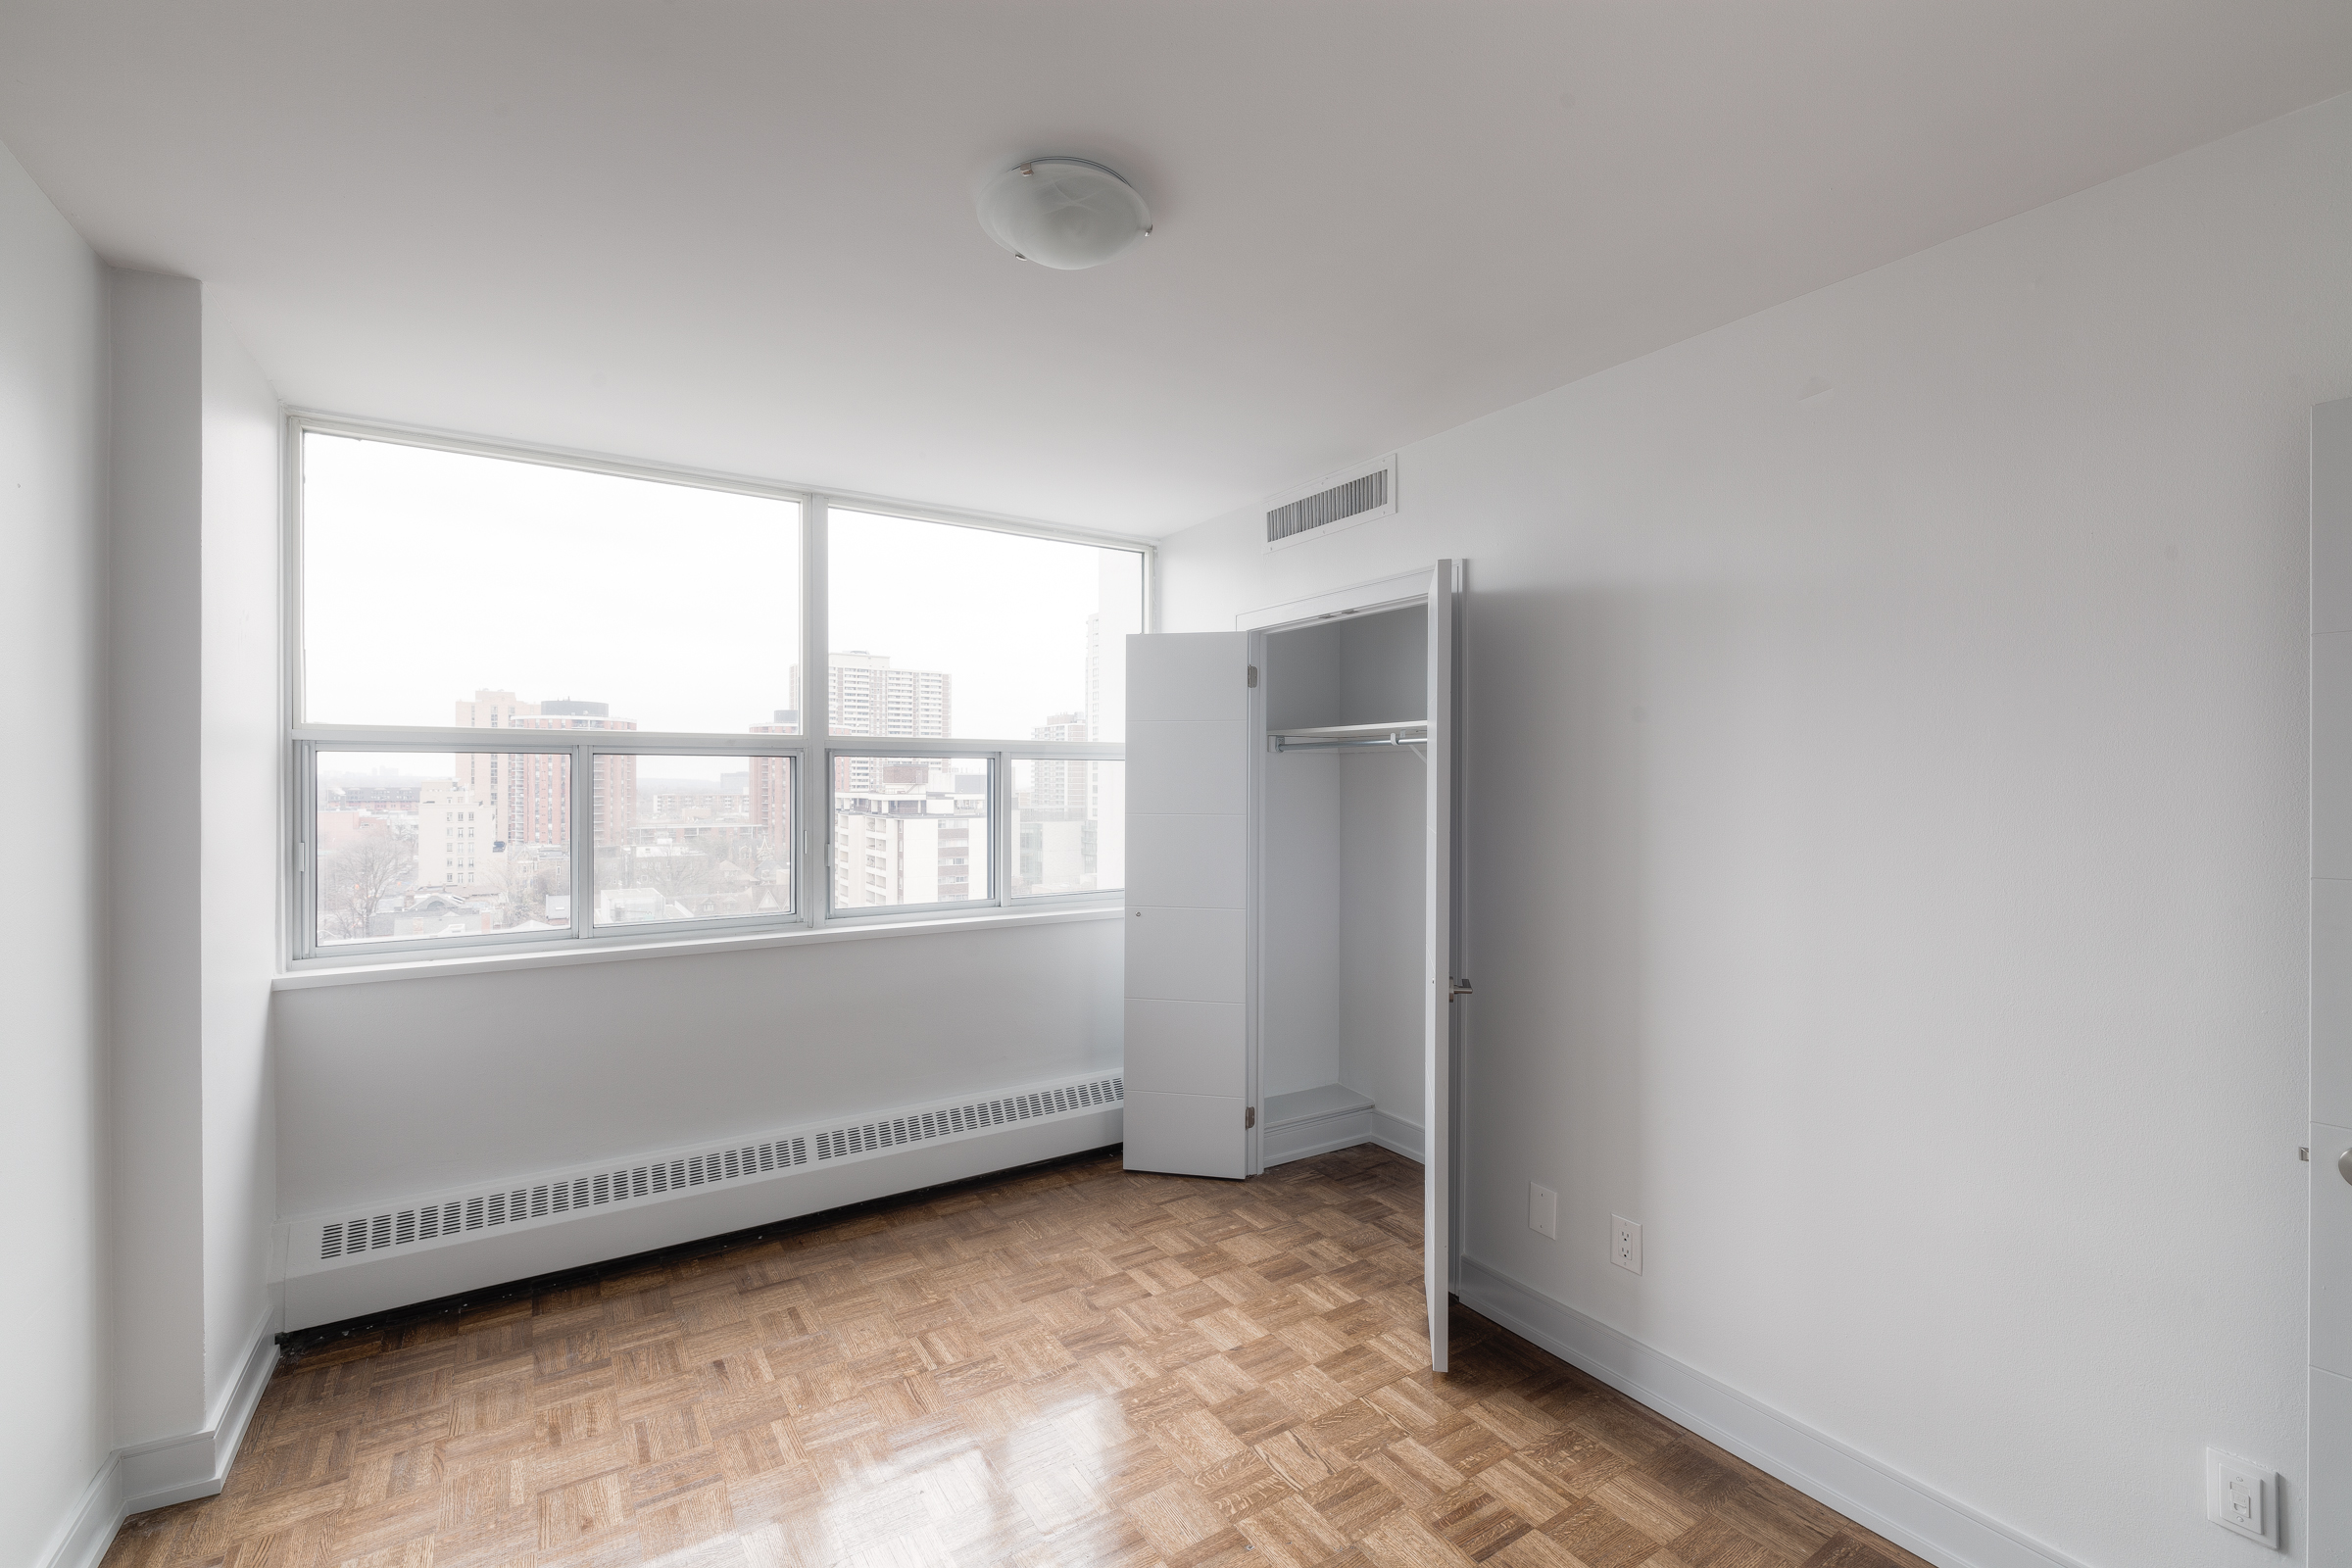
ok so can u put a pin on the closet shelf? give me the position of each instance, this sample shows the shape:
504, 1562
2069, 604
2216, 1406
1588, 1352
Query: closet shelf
1333, 737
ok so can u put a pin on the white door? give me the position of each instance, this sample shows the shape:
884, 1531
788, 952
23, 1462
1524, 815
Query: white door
1188, 880
2330, 1489
1437, 1089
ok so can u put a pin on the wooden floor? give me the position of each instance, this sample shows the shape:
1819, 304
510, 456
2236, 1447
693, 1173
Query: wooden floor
1080, 1366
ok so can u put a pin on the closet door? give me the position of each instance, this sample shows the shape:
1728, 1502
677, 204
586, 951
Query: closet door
1437, 1089
1187, 902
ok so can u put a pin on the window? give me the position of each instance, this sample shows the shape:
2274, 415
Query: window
641, 638
1069, 826
919, 829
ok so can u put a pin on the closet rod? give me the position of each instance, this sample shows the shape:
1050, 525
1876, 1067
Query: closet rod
1277, 742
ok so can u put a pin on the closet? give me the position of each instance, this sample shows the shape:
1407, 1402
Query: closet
1293, 981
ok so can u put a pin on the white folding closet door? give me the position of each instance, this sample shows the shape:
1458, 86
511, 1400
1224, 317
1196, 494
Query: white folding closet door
1188, 803
2328, 1530
1436, 1092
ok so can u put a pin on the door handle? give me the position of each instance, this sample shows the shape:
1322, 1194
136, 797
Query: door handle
2343, 1164
1461, 988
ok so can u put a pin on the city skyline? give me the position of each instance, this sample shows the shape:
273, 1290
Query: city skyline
482, 842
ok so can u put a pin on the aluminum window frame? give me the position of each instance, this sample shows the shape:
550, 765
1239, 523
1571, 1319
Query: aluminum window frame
812, 752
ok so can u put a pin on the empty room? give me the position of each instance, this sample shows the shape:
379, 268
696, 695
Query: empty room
1176, 783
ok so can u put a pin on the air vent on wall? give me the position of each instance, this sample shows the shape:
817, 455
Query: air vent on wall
445, 1219
1334, 501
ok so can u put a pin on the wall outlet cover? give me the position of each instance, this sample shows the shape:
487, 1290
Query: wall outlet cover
2241, 1497
1625, 1243
1544, 1210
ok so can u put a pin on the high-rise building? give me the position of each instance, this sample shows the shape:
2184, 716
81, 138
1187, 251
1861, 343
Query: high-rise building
865, 696
770, 786
1057, 784
455, 832
538, 797
527, 793
912, 842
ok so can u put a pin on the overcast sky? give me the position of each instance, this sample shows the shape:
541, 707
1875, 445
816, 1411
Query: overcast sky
430, 575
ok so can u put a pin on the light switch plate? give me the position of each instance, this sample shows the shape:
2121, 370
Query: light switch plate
2241, 1497
1544, 1210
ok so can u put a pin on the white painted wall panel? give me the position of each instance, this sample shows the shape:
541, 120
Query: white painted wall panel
565, 1066
1198, 1135
2331, 753
1189, 768
1187, 799
53, 1134
1196, 861
1195, 677
1187, 1047
2331, 1254
2331, 1001
1186, 955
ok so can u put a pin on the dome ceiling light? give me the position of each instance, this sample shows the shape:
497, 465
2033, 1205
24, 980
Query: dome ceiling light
1063, 213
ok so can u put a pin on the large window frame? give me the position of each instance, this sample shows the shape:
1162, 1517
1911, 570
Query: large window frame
812, 752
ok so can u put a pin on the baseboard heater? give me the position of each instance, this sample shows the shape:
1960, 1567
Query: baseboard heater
337, 1239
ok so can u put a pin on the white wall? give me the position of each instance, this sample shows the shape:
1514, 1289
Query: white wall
155, 837
1298, 915
192, 839
52, 1116
1383, 814
1886, 745
396, 1087
240, 773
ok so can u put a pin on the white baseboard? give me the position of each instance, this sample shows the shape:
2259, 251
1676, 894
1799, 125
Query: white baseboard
169, 1470
1396, 1135
1320, 1121
91, 1528
384, 1281
1907, 1511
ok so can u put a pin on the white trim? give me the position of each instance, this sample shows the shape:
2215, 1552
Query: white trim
145, 1476
90, 1529
1396, 1135
169, 1470
1319, 1121
1869, 1492
1378, 594
474, 960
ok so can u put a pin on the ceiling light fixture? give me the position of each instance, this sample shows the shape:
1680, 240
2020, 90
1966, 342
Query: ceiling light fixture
1063, 213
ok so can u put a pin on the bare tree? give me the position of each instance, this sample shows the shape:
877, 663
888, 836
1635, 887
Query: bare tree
354, 878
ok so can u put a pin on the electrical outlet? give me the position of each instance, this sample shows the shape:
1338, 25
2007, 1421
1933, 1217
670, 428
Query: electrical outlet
1544, 1210
2241, 1497
1625, 1243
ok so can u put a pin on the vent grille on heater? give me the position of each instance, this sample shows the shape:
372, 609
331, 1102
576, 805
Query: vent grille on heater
425, 1222
1327, 507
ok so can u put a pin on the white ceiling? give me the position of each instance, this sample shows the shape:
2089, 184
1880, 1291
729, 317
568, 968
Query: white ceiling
740, 235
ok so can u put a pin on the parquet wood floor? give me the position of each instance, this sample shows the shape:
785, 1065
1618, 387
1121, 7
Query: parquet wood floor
1075, 1367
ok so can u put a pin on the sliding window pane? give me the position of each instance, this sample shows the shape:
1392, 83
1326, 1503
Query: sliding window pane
910, 831
692, 838
947, 631
410, 845
446, 587
1069, 826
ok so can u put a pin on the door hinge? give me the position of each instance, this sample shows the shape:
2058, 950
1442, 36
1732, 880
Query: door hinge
1252, 675
1249, 1117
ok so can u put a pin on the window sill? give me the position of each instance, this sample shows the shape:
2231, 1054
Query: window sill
678, 947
